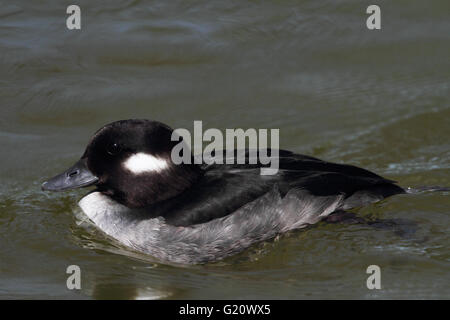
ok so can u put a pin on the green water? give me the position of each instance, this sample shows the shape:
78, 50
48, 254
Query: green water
336, 90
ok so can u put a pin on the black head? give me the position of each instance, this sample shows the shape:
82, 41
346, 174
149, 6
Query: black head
130, 161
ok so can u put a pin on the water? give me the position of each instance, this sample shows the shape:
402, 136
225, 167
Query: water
377, 99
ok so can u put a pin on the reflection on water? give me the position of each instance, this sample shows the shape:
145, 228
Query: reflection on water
336, 90
122, 291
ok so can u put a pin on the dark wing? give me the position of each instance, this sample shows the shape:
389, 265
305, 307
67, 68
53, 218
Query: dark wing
225, 188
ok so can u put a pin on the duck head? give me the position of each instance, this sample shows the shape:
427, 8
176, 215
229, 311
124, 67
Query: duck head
130, 161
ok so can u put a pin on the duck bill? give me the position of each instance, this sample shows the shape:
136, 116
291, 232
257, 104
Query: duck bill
77, 176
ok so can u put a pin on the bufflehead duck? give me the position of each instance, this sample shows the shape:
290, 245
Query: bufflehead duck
191, 213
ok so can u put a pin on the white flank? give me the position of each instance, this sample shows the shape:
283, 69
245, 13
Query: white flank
143, 162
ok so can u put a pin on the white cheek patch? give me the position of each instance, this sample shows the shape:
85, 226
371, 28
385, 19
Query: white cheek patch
144, 162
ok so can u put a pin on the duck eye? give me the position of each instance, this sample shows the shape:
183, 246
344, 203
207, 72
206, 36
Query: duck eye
113, 149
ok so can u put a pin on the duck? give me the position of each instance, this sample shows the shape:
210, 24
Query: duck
191, 213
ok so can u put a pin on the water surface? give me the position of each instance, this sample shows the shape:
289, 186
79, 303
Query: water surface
377, 99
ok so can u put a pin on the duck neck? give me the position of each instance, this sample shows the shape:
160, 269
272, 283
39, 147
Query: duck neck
148, 189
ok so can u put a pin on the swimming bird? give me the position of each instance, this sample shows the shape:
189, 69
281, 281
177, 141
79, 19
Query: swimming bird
197, 213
